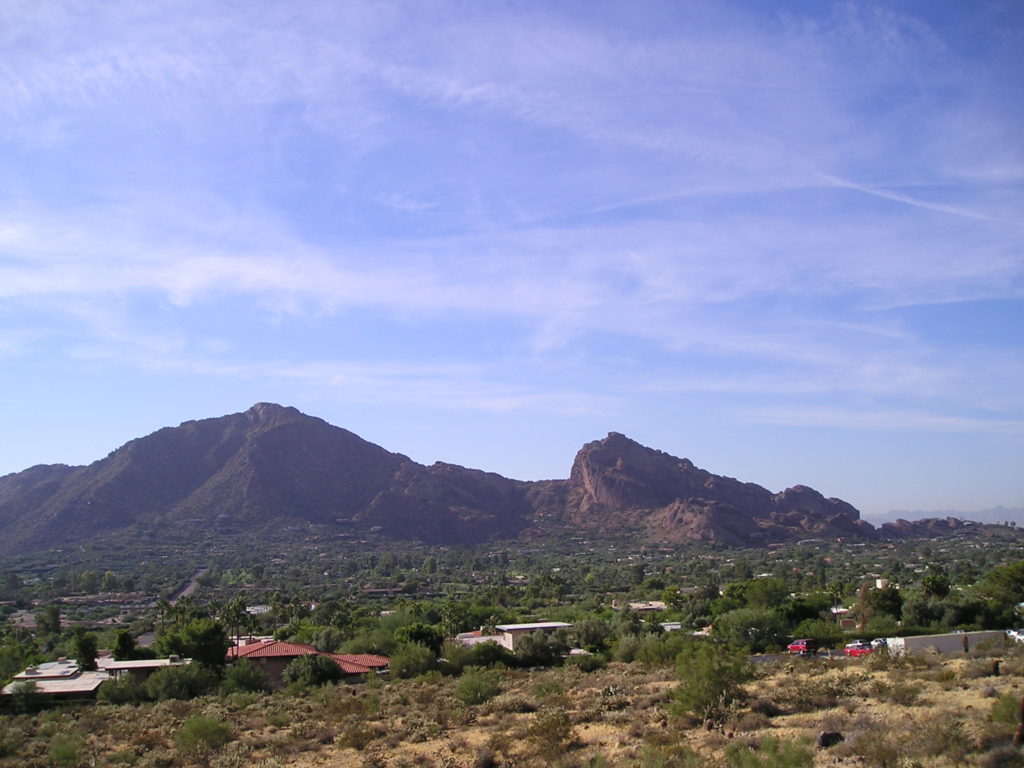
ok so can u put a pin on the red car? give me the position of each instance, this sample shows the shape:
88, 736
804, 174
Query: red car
803, 647
857, 648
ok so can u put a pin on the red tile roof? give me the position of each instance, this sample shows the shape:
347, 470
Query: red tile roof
371, 660
350, 663
269, 649
348, 667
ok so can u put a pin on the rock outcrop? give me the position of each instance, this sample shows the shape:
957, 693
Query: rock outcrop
618, 481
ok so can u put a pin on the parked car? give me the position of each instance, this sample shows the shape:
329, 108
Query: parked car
879, 642
1016, 634
857, 648
803, 647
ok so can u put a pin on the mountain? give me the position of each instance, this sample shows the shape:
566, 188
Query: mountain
616, 480
274, 468
991, 516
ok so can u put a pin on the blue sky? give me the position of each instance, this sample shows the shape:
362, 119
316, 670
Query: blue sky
781, 239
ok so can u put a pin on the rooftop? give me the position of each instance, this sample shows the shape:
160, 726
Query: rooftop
531, 627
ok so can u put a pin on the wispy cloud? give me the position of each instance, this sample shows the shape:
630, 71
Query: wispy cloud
883, 421
576, 213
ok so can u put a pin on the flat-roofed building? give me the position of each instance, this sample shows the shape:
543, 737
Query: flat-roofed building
140, 669
59, 680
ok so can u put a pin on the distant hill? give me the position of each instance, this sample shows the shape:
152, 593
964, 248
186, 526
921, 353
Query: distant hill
992, 516
274, 468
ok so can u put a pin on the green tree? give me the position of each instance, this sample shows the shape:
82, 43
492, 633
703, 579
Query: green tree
124, 645
1003, 589
202, 640
935, 582
180, 682
312, 671
756, 628
769, 592
711, 675
411, 660
84, 648
48, 620
541, 649
826, 633
424, 634
25, 696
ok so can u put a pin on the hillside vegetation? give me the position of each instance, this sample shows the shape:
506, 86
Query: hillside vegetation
921, 711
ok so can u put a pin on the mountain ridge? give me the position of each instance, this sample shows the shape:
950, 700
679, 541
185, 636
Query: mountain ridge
274, 467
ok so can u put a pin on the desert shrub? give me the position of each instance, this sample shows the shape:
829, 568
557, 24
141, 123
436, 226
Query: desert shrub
1006, 709
124, 757
312, 671
711, 677
613, 698
626, 648
66, 750
1003, 757
588, 662
511, 702
184, 682
668, 756
485, 758
659, 650
477, 685
942, 735
551, 732
772, 753
11, 740
807, 693
245, 677
766, 707
278, 719
127, 691
199, 737
356, 732
900, 692
548, 687
242, 700
411, 660
750, 722
878, 747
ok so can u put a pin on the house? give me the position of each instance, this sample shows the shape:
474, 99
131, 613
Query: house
139, 669
507, 635
60, 680
645, 606
273, 656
